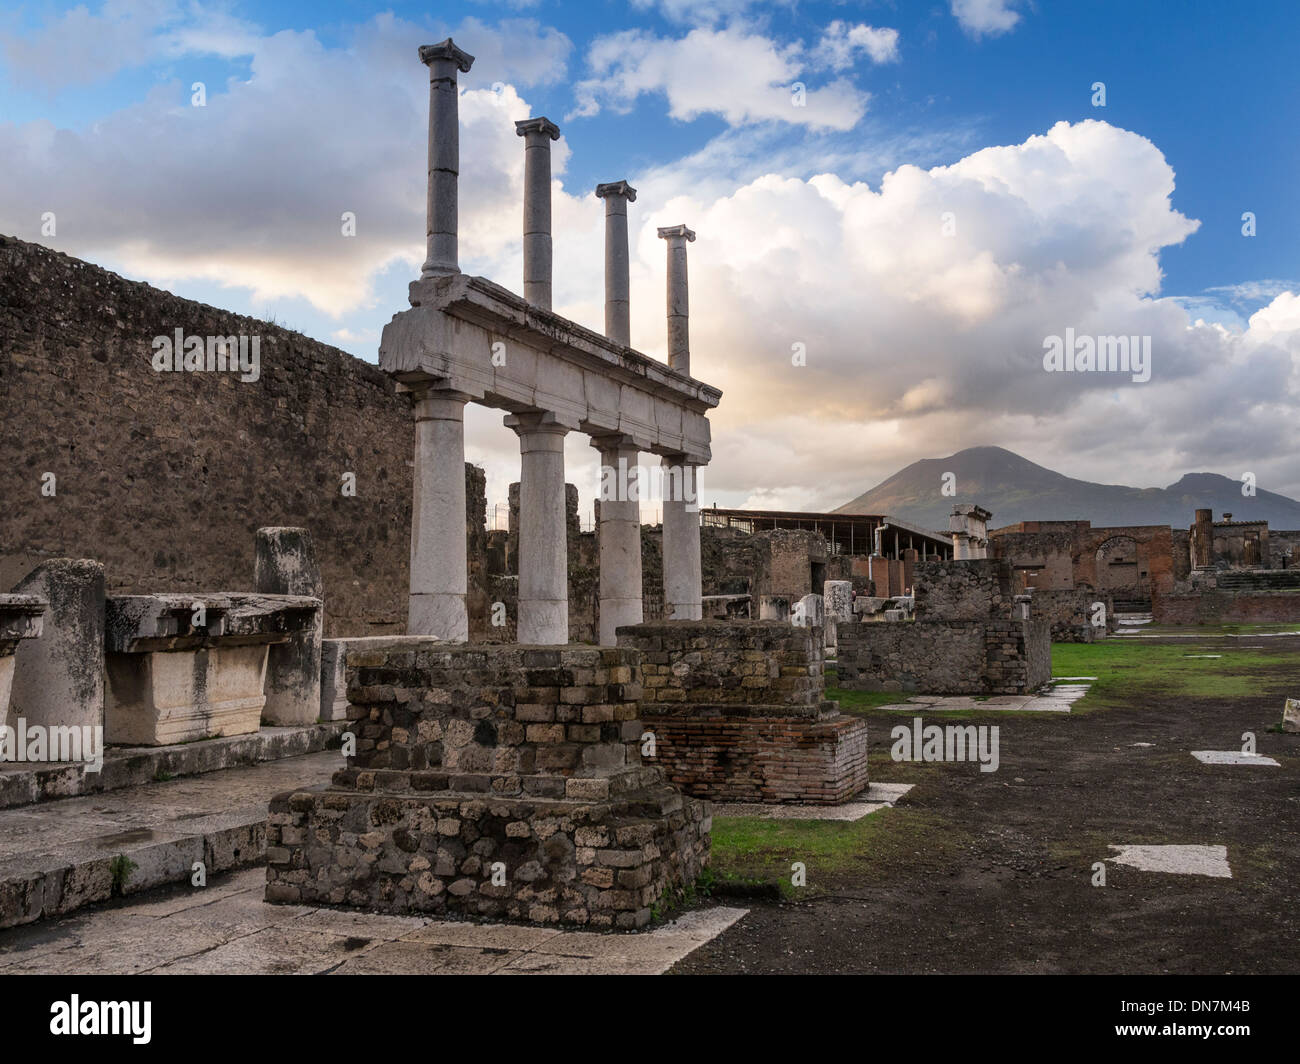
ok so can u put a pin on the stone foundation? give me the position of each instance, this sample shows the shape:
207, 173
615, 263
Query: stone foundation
497, 781
738, 712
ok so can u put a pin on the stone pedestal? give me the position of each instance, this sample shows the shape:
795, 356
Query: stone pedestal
285, 564
58, 679
171, 680
21, 617
503, 782
739, 713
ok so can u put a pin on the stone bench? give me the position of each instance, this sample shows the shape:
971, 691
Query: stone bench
175, 673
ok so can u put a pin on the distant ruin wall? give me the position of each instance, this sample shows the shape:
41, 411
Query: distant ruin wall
1227, 607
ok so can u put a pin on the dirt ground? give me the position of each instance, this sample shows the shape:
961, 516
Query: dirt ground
992, 872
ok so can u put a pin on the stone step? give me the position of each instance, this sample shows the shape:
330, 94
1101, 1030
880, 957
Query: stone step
131, 766
59, 856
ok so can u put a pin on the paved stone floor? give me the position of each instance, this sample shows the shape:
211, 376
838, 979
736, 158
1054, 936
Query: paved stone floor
876, 797
226, 928
1055, 699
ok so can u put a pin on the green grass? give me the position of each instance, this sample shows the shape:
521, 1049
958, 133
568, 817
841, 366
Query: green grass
1128, 672
751, 850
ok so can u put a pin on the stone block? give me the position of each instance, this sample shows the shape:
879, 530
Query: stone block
58, 679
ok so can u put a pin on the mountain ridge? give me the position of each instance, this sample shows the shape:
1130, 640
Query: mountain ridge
1016, 489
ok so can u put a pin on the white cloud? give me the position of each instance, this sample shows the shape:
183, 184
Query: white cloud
250, 189
986, 18
742, 76
841, 43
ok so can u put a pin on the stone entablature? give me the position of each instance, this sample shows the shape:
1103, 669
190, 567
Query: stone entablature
184, 667
504, 782
590, 383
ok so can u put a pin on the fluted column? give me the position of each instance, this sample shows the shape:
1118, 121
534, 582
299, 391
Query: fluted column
538, 134
438, 562
619, 535
444, 61
543, 537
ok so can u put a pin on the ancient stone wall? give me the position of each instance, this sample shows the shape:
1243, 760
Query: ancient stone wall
968, 637
166, 477
948, 590
1069, 613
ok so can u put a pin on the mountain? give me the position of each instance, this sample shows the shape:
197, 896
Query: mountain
1016, 489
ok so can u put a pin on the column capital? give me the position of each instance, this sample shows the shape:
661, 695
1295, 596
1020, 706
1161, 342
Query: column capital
676, 232
535, 423
615, 441
445, 51
616, 190
543, 126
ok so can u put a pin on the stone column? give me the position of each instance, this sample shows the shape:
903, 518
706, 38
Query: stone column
1203, 540
961, 550
443, 61
681, 547
284, 563
618, 306
538, 134
543, 537
679, 343
438, 562
619, 536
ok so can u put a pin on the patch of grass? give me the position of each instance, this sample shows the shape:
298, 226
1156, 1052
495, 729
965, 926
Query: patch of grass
756, 850
162, 775
120, 869
1128, 672
858, 702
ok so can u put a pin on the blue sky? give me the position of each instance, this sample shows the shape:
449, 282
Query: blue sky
236, 205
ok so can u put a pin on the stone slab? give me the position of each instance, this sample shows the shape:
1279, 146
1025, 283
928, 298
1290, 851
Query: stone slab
1179, 860
227, 929
1232, 757
57, 857
128, 766
876, 797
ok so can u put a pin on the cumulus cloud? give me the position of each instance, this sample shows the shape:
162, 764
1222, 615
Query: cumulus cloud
842, 42
923, 306
742, 76
986, 18
251, 188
